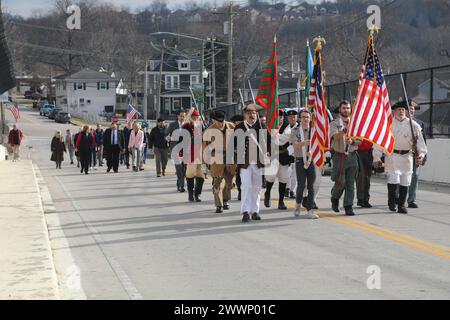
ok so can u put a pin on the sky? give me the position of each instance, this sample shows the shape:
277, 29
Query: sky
26, 8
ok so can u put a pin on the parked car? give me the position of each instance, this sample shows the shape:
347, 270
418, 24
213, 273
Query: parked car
45, 110
35, 96
63, 117
28, 94
52, 115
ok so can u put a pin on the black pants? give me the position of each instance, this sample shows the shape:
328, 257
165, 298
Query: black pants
181, 174
85, 157
93, 158
113, 157
305, 176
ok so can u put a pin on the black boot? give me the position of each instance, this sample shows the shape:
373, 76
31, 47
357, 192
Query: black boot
198, 189
392, 189
335, 204
349, 211
219, 210
267, 202
282, 192
190, 186
239, 194
304, 201
402, 193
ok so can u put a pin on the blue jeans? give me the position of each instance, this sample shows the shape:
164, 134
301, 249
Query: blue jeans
414, 183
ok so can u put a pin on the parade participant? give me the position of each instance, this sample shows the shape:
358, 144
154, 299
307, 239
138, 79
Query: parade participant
15, 137
99, 144
365, 160
304, 167
291, 186
157, 141
180, 167
58, 148
126, 152
113, 143
136, 139
236, 120
399, 164
251, 168
416, 168
219, 168
68, 140
345, 160
282, 170
84, 144
93, 156
77, 153
194, 174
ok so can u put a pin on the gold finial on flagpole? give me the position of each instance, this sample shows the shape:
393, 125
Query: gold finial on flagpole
319, 41
374, 29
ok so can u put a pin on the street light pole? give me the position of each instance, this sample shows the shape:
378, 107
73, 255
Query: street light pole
230, 56
213, 104
202, 67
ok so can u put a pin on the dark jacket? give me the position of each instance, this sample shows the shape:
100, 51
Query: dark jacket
58, 148
243, 160
157, 138
15, 137
172, 127
85, 142
107, 143
98, 137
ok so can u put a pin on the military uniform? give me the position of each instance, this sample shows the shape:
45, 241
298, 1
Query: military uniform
278, 169
305, 173
250, 169
399, 164
219, 168
345, 167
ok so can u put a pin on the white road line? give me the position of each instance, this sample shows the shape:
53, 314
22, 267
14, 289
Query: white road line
124, 279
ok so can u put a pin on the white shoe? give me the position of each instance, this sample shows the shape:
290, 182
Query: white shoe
311, 215
298, 207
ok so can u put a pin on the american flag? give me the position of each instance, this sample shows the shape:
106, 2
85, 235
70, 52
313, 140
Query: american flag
131, 112
371, 117
319, 130
15, 111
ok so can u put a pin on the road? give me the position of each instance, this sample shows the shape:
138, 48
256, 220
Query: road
133, 237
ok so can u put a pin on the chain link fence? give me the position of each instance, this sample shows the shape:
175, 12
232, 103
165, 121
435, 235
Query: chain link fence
429, 87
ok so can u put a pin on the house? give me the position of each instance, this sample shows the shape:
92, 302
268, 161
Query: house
178, 74
86, 93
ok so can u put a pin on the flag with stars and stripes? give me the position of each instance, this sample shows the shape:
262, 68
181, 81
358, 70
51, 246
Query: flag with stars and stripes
131, 113
15, 111
371, 113
268, 90
320, 124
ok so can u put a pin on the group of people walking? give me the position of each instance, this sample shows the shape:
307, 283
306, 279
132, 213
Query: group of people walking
288, 163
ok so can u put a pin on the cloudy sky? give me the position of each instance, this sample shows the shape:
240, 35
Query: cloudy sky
26, 8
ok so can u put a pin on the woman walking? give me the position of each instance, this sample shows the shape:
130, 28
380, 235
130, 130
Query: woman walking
85, 141
135, 146
58, 148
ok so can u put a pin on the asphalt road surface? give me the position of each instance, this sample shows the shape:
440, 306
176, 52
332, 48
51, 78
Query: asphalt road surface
133, 236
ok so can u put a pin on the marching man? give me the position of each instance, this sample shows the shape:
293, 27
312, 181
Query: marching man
399, 165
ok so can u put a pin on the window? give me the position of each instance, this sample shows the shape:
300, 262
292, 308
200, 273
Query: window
103, 85
172, 82
194, 79
183, 65
80, 86
176, 106
64, 85
81, 102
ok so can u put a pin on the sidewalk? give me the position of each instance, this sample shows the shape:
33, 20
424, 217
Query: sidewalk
26, 263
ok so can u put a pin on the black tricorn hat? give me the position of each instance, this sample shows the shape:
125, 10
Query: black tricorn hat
218, 115
400, 104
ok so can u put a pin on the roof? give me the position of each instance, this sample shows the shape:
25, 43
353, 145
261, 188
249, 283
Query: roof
86, 74
171, 65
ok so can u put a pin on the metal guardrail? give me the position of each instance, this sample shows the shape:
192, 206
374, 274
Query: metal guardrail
429, 87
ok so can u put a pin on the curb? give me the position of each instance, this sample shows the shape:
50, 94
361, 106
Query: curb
66, 271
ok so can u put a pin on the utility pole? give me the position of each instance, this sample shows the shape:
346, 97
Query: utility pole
158, 104
213, 75
146, 90
202, 66
230, 55
2, 122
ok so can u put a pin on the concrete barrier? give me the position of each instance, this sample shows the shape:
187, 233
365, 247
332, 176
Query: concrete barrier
437, 168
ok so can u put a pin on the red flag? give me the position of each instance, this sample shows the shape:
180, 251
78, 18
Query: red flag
268, 90
371, 116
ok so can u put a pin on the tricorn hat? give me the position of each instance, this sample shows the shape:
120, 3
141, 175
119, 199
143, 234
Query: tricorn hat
218, 115
400, 104
252, 107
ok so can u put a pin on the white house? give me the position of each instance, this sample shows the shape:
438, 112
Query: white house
86, 93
